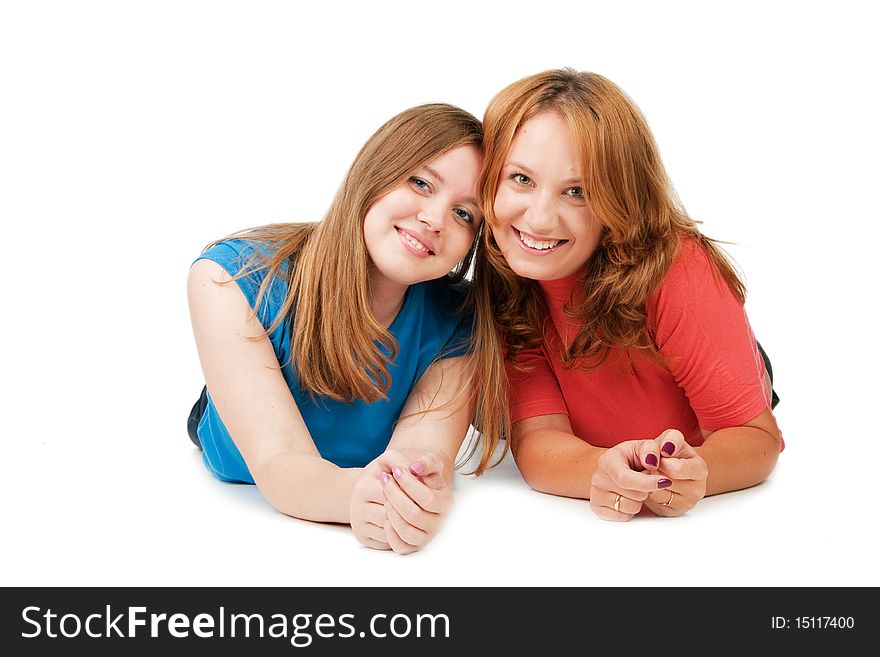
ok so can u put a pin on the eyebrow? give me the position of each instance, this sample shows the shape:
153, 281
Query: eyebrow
435, 174
520, 165
469, 199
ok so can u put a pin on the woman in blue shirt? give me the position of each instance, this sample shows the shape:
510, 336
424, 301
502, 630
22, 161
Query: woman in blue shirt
338, 366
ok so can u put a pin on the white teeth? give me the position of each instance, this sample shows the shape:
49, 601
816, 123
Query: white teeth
411, 240
536, 244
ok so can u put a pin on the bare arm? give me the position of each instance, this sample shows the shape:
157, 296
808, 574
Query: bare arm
418, 487
437, 414
256, 405
551, 458
739, 457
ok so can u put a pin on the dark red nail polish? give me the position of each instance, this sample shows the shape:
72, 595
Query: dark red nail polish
668, 449
651, 459
664, 483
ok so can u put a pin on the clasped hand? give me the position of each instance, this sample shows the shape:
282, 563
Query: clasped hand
400, 503
665, 474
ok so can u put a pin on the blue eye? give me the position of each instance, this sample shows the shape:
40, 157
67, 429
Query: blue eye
420, 184
464, 214
521, 179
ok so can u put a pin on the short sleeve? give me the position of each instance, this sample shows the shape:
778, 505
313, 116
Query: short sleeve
534, 390
701, 328
239, 255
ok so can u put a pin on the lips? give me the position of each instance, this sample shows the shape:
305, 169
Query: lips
417, 244
535, 244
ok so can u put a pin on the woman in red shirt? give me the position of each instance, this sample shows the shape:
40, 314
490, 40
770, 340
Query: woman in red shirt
635, 378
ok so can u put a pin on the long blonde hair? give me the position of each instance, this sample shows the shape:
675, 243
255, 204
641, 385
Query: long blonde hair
334, 333
627, 188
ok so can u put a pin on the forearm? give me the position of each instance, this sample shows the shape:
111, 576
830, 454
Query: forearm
557, 462
738, 457
307, 486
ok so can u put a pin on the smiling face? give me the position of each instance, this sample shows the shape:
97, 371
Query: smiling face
422, 228
543, 225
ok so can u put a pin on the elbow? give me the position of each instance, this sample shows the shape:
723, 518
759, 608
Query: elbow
770, 453
275, 475
769, 460
761, 467
530, 471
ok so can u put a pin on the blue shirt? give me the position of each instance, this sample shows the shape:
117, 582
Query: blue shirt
347, 434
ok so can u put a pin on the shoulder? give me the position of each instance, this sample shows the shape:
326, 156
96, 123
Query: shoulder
245, 261
209, 293
694, 297
234, 255
690, 262
692, 278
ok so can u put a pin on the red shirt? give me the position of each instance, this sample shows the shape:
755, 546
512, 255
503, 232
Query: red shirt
713, 379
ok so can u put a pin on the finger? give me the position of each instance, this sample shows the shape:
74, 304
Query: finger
373, 492
395, 542
672, 443
430, 468
604, 508
663, 497
408, 533
624, 479
375, 514
433, 500
373, 532
666, 505
686, 494
602, 485
404, 506
684, 469
620, 503
649, 455
374, 544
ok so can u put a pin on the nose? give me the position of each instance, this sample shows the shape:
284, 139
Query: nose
431, 216
540, 215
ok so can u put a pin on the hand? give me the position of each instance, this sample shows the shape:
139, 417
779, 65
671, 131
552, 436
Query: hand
681, 463
417, 501
619, 485
367, 506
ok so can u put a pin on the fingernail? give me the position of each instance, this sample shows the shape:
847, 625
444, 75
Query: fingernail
651, 459
668, 449
397, 472
664, 483
384, 478
417, 467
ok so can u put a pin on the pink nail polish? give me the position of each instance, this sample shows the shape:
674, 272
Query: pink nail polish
397, 472
417, 467
384, 478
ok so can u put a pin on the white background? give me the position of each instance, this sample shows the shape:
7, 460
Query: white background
133, 133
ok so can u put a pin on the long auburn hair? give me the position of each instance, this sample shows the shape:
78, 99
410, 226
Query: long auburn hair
629, 193
334, 333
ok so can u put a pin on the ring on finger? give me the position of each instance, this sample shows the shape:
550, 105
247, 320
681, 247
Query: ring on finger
669, 501
616, 506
